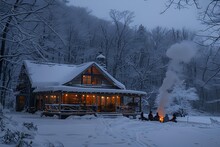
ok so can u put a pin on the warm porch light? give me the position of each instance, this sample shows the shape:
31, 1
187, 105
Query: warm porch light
93, 96
103, 97
76, 95
83, 95
66, 94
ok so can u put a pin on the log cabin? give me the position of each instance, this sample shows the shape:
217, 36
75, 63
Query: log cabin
64, 87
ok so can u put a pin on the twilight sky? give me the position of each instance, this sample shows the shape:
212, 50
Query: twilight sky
147, 12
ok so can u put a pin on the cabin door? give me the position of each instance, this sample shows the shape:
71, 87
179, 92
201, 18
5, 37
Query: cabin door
20, 103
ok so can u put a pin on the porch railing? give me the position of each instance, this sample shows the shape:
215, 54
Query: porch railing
126, 109
69, 108
65, 110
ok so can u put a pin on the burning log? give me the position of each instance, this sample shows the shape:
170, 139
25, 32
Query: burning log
161, 119
164, 119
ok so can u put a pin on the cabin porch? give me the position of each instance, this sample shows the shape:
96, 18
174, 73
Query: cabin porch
89, 101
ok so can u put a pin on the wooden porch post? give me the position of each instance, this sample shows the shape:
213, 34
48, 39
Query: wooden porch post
116, 105
133, 106
96, 102
60, 99
140, 104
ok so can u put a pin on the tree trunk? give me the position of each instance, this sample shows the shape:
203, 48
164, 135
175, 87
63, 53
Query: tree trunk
2, 53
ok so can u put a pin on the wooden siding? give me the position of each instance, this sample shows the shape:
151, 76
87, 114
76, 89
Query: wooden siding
24, 100
97, 79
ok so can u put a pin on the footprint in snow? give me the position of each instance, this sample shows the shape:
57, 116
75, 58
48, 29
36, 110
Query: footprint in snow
90, 136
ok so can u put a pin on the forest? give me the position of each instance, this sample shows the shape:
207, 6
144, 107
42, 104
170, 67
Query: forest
53, 31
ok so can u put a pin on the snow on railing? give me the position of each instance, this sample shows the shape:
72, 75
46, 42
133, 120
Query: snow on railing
69, 108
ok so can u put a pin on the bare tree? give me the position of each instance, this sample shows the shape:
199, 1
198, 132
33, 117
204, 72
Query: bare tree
210, 18
180, 4
121, 21
107, 40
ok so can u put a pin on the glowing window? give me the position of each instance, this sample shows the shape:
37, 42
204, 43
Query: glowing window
87, 79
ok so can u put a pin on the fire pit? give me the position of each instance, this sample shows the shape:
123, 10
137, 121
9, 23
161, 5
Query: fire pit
165, 118
161, 119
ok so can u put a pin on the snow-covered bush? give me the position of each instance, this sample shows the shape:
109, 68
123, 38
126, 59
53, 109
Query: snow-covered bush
13, 133
180, 98
30, 126
2, 124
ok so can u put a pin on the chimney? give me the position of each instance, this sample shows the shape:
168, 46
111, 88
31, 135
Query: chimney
101, 60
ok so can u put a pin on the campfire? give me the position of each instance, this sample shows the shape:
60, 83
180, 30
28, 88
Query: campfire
161, 113
161, 119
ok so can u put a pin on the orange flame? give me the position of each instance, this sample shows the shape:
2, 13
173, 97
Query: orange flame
161, 119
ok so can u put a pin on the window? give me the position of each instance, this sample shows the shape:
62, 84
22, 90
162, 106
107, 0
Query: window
96, 80
93, 76
87, 79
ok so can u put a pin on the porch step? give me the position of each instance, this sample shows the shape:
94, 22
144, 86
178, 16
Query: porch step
109, 115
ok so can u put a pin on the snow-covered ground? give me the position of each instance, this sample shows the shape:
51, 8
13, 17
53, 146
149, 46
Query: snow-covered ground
90, 131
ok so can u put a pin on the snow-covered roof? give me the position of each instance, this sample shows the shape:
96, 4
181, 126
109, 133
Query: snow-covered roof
43, 74
89, 90
100, 56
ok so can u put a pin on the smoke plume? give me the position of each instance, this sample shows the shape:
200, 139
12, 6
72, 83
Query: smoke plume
179, 54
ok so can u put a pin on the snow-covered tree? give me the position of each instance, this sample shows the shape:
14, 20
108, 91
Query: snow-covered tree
121, 21
19, 23
180, 98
